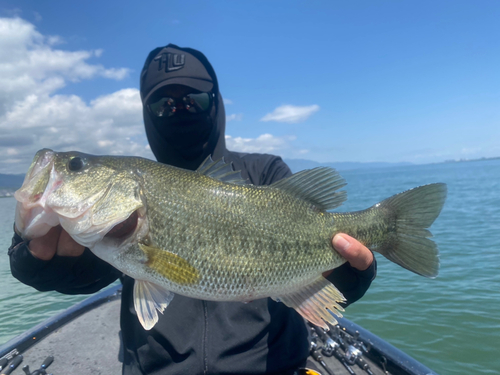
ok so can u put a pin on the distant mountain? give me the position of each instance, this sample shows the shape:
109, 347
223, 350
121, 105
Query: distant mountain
9, 183
300, 164
11, 180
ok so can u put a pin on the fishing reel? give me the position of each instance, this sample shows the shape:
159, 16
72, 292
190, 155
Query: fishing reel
354, 349
42, 370
349, 350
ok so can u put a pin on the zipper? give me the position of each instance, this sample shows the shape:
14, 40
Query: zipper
205, 338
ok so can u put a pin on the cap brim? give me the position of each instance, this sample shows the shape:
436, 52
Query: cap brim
197, 84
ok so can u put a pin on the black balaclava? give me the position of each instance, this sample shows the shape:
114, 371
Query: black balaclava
183, 140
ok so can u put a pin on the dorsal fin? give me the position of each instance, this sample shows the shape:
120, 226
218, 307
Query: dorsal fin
221, 170
317, 186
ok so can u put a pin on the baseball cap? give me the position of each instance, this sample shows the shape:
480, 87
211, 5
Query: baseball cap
175, 66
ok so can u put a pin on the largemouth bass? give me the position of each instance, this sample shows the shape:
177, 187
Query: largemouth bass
207, 234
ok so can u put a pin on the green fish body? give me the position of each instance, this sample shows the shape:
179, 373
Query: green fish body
209, 235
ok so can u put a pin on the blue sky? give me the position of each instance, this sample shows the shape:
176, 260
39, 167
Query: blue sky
414, 81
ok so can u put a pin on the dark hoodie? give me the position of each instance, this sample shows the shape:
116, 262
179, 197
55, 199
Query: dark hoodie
193, 336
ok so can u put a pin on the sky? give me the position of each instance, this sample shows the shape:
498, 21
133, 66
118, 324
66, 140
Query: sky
328, 81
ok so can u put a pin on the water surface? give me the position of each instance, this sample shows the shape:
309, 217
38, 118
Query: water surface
451, 323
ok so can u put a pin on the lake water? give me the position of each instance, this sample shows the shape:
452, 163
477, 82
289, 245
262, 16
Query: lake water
451, 323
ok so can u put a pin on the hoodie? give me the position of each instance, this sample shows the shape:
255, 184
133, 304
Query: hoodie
193, 336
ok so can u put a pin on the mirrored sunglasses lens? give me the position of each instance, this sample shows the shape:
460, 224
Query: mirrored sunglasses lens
197, 102
162, 107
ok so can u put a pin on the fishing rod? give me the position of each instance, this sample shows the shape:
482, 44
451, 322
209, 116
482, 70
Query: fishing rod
315, 353
7, 357
353, 347
3, 363
41, 371
354, 352
13, 365
332, 347
347, 349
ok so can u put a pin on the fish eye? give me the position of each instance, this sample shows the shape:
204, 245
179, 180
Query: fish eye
75, 164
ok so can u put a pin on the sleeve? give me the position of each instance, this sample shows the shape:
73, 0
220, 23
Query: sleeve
69, 275
351, 282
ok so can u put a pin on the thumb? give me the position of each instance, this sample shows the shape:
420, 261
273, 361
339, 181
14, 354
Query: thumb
358, 255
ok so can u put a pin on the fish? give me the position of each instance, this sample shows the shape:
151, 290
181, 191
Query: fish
211, 235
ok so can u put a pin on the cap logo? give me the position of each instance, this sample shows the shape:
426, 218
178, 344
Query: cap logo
171, 61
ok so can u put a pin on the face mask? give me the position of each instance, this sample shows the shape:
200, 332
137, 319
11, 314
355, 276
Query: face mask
187, 133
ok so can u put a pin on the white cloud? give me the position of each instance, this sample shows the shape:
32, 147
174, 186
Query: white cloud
30, 64
227, 101
265, 143
470, 150
34, 116
234, 117
122, 106
291, 113
12, 151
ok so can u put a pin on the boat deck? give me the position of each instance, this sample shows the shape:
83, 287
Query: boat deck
88, 344
85, 340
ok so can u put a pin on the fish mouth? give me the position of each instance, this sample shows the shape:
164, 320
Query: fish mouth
123, 234
43, 160
32, 219
37, 177
125, 229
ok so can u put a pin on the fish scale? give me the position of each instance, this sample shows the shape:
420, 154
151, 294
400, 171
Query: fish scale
212, 232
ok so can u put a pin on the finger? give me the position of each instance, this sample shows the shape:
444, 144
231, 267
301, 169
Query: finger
68, 247
358, 255
45, 247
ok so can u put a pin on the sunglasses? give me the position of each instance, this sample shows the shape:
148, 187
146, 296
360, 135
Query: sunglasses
193, 103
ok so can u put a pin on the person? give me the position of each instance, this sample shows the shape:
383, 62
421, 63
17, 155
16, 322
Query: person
185, 122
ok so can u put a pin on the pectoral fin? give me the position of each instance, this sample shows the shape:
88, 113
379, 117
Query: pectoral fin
148, 300
170, 265
316, 302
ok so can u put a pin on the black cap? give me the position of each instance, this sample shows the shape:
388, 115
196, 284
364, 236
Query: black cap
174, 66
193, 70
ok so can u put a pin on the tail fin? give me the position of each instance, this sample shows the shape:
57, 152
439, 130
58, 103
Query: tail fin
411, 212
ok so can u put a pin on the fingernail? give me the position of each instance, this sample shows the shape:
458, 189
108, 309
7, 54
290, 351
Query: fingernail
341, 243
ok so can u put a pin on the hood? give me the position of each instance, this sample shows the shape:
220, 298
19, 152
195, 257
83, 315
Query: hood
189, 67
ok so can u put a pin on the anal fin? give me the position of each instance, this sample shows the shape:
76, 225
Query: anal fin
148, 300
316, 302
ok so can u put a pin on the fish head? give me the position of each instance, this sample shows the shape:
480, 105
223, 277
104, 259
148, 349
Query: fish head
91, 197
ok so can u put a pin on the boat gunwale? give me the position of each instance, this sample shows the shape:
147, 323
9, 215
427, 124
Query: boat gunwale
398, 362
26, 340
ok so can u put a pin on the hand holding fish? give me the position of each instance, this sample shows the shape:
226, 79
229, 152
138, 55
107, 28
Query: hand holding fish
56, 241
358, 255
